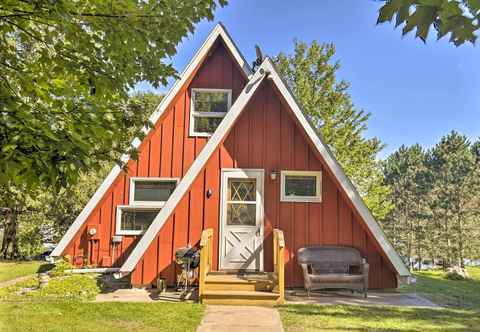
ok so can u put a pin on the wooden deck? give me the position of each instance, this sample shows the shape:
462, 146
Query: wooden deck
240, 289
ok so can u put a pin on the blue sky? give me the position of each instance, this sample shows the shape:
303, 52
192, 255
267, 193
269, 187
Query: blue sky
414, 92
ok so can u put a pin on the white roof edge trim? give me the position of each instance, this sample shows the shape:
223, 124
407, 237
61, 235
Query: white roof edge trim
338, 172
198, 164
218, 30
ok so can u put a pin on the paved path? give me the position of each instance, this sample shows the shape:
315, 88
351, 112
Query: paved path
374, 298
14, 281
240, 318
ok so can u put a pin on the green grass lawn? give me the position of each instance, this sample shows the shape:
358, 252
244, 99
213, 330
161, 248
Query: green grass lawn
449, 293
105, 317
65, 305
11, 270
376, 318
461, 299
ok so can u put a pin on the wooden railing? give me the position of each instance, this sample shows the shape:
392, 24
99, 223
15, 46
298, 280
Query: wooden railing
206, 252
279, 263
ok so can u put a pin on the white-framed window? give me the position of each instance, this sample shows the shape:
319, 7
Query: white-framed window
134, 220
208, 108
151, 192
301, 186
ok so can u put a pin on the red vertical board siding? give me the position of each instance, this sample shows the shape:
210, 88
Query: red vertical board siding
242, 139
143, 158
330, 212
314, 209
212, 204
286, 208
344, 223
167, 140
188, 142
178, 137
196, 210
155, 153
265, 136
300, 209
271, 134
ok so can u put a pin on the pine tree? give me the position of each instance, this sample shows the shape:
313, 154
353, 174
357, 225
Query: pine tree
456, 185
406, 174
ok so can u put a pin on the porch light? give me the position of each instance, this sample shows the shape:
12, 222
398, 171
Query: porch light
273, 175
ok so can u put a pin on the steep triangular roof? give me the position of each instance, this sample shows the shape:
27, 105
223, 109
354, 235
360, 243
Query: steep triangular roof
218, 32
266, 70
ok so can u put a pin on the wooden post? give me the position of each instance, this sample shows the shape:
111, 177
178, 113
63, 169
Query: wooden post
205, 260
279, 263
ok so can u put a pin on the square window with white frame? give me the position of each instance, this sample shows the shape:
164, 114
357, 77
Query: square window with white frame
208, 108
134, 220
301, 186
151, 191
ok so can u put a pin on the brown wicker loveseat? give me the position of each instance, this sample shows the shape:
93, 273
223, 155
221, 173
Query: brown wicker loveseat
333, 267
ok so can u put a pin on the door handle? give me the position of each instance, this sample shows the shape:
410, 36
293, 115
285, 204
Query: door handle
257, 232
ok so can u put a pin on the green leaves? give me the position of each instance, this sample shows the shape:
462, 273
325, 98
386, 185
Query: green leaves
459, 18
67, 68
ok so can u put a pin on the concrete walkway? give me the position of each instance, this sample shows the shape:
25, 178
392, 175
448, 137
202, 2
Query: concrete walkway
240, 318
374, 298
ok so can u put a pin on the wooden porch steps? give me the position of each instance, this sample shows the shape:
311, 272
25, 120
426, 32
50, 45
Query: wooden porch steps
244, 289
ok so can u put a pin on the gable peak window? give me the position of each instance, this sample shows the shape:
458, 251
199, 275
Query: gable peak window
208, 108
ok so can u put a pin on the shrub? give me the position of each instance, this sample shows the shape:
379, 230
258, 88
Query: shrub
60, 267
69, 288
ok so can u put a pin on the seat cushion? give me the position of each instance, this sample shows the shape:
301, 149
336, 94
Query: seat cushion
333, 267
336, 278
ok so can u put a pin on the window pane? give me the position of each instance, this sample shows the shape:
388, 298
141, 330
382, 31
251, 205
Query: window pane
241, 214
242, 190
300, 185
211, 101
153, 191
137, 220
206, 125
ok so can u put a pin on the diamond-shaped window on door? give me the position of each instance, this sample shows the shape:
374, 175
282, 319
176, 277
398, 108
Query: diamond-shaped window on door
241, 203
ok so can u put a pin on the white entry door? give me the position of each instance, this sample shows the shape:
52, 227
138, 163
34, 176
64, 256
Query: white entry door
241, 220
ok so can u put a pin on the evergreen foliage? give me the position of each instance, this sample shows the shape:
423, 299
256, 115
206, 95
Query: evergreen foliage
436, 194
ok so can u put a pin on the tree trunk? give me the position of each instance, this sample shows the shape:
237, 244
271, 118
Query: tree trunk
10, 235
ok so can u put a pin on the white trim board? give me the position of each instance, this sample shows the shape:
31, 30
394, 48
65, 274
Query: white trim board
292, 198
258, 228
266, 67
118, 218
218, 31
135, 179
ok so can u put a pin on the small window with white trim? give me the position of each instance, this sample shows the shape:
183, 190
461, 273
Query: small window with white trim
208, 108
151, 191
301, 186
134, 220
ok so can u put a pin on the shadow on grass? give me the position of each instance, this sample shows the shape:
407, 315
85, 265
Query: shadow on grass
361, 318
